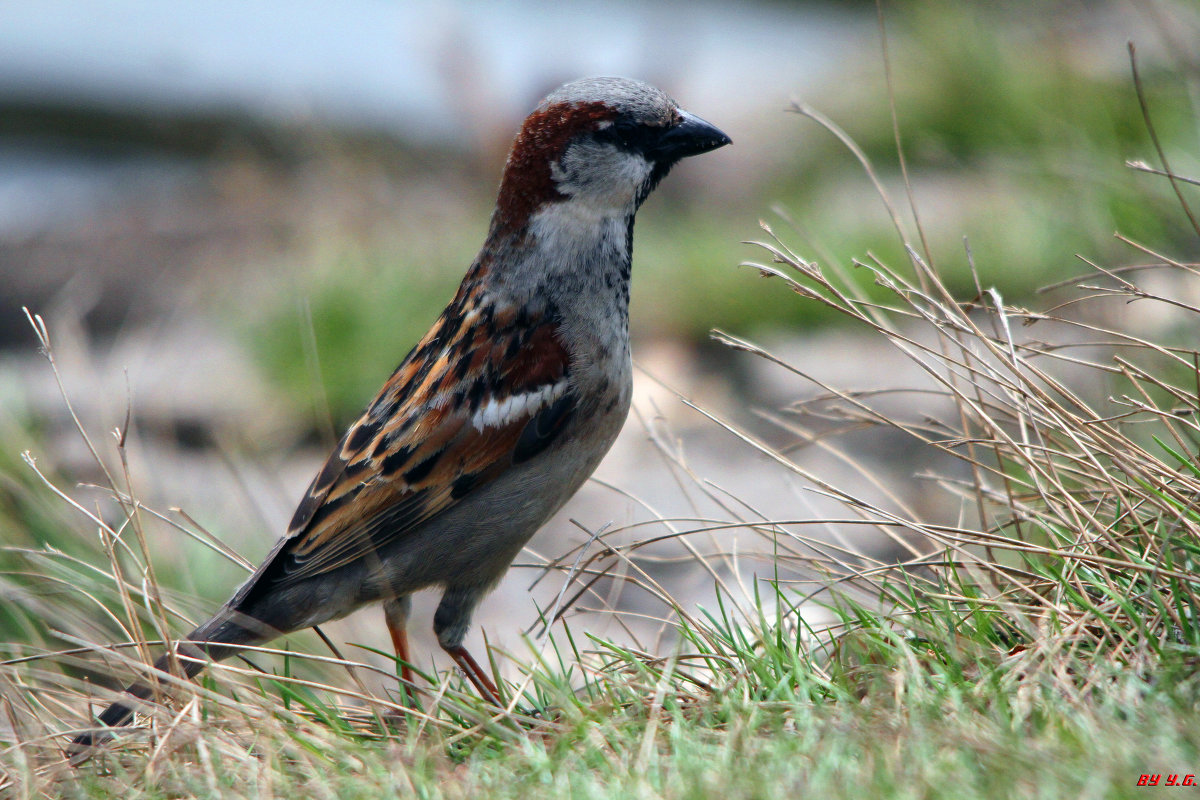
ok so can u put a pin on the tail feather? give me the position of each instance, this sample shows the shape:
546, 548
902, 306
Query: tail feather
215, 640
121, 712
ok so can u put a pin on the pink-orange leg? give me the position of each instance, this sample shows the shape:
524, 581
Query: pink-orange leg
483, 684
400, 643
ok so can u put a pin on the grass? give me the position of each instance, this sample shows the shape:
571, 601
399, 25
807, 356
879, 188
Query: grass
1043, 643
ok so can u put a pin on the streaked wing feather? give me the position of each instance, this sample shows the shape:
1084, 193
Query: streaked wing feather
425, 443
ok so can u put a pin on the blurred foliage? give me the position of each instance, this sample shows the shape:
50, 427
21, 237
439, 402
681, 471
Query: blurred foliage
29, 516
32, 522
335, 340
45, 561
1015, 136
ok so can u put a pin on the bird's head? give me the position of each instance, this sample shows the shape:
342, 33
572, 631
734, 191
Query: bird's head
599, 145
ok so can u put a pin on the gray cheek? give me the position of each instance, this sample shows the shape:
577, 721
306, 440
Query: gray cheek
601, 174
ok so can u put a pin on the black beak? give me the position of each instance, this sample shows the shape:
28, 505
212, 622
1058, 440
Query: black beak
690, 137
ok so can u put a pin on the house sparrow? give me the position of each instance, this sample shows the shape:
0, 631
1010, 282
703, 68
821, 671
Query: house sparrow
497, 416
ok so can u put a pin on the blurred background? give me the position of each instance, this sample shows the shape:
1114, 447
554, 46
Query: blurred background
236, 217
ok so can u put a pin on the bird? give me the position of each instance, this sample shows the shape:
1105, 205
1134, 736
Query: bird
495, 417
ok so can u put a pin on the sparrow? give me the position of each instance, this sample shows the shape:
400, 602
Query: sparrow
496, 417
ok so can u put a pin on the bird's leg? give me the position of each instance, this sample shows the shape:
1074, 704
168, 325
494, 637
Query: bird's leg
450, 623
395, 613
400, 643
470, 667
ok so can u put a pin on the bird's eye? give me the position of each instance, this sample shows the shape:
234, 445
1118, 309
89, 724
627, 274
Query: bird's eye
624, 134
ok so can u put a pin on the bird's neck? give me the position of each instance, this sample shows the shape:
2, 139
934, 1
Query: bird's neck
570, 254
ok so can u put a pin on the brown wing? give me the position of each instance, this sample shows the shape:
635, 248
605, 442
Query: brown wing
482, 391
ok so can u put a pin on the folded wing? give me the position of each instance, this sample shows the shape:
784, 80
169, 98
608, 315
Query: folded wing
483, 390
